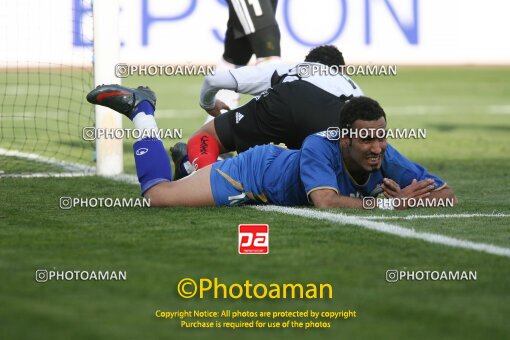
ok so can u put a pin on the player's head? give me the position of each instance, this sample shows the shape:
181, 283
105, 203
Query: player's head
327, 55
364, 146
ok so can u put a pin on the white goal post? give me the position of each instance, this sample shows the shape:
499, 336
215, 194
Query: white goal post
109, 155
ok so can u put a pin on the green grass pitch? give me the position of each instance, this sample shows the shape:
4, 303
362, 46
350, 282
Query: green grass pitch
466, 111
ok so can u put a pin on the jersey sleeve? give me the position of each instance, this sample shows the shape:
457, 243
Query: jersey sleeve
256, 79
317, 164
212, 84
403, 171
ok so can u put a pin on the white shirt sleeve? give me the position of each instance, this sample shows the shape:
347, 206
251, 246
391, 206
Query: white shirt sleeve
212, 84
256, 79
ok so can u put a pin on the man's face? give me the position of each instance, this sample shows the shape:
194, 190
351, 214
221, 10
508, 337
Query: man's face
366, 151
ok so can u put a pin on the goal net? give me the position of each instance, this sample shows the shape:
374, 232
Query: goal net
46, 69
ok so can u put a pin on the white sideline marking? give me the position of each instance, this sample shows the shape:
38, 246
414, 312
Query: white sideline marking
124, 178
388, 229
48, 175
170, 113
181, 114
52, 161
425, 217
130, 179
74, 169
30, 115
442, 109
364, 222
418, 109
499, 109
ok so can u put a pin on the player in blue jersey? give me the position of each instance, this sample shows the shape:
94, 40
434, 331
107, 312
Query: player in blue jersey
324, 173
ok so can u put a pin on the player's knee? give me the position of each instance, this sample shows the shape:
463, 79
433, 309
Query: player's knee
157, 195
153, 199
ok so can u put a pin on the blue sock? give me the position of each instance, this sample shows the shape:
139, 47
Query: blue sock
144, 107
152, 163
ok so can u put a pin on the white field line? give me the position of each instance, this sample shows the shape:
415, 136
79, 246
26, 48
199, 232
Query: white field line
130, 179
72, 169
309, 213
31, 115
426, 217
47, 175
443, 109
198, 112
389, 229
182, 113
124, 178
499, 109
46, 160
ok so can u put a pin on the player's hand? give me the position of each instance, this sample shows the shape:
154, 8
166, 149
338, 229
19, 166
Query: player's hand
392, 190
218, 106
417, 189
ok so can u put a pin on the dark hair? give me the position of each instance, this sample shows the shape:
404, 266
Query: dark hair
362, 108
327, 55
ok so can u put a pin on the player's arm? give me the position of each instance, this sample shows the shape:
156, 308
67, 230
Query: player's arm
444, 193
317, 171
406, 179
210, 86
251, 80
419, 190
329, 198
254, 80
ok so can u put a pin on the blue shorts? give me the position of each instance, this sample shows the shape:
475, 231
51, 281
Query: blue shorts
239, 180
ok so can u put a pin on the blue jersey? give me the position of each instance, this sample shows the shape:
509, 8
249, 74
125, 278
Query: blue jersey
271, 174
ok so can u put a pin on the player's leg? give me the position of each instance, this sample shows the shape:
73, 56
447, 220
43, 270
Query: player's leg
265, 43
211, 140
237, 51
191, 191
234, 181
235, 130
261, 29
152, 162
202, 149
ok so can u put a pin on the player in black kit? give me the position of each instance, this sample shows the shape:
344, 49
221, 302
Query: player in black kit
251, 29
292, 102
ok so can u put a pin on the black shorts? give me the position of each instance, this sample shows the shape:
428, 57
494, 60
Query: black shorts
263, 43
238, 129
288, 113
261, 36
